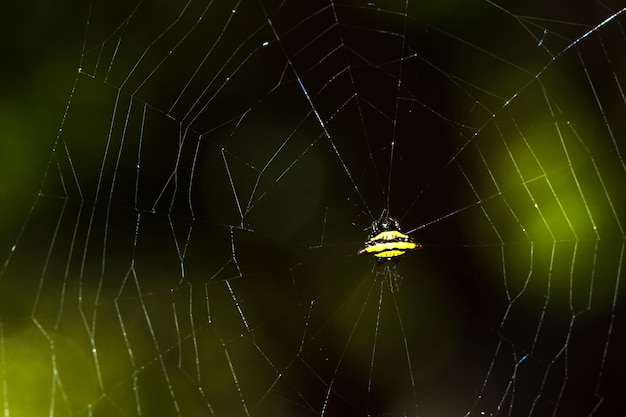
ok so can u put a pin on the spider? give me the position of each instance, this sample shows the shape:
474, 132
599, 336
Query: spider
386, 242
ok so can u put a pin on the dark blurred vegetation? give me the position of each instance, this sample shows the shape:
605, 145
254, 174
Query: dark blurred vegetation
132, 320
41, 43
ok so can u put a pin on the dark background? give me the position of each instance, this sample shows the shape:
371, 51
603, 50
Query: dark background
160, 293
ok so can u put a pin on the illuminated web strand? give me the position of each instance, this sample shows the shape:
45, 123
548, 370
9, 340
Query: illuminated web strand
160, 354
251, 200
314, 108
140, 348
614, 306
234, 376
374, 344
345, 49
407, 353
189, 118
396, 109
151, 45
203, 61
330, 385
535, 77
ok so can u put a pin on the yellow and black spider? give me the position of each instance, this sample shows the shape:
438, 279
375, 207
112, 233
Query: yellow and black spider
386, 242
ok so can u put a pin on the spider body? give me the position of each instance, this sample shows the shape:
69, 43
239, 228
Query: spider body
386, 242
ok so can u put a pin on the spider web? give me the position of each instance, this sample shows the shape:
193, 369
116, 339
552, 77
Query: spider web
191, 249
